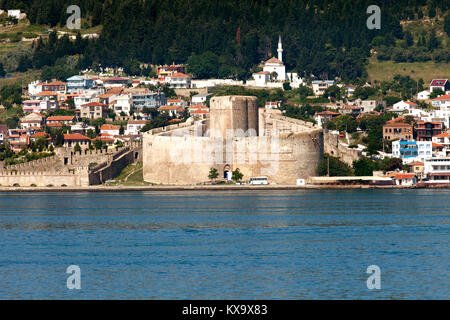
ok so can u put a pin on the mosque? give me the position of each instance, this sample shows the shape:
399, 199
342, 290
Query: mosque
274, 72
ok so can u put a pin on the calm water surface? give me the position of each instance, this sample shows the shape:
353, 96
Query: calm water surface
226, 245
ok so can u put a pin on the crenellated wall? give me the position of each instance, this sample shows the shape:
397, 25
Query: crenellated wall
67, 168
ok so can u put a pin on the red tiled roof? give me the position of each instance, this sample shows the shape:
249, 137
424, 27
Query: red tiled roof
46, 93
75, 136
115, 79
168, 108
109, 127
400, 175
198, 111
330, 113
39, 134
436, 145
103, 139
137, 122
442, 135
438, 82
177, 75
423, 122
443, 97
404, 176
273, 60
60, 118
398, 124
93, 104
55, 83
54, 124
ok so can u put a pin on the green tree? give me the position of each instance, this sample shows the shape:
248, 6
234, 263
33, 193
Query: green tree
98, 144
119, 144
336, 166
237, 175
409, 40
2, 71
433, 41
204, 66
343, 123
213, 174
447, 24
77, 148
436, 93
91, 134
364, 167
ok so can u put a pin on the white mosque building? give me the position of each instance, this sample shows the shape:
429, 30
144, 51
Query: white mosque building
274, 73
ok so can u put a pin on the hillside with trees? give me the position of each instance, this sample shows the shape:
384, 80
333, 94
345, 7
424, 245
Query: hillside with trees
326, 38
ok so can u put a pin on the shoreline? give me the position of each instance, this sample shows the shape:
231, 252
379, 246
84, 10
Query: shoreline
103, 188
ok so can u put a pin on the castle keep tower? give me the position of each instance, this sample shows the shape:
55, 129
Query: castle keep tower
229, 114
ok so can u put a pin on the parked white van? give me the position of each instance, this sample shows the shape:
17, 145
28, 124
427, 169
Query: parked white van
258, 180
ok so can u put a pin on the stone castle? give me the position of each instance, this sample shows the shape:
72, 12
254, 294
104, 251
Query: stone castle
70, 169
237, 135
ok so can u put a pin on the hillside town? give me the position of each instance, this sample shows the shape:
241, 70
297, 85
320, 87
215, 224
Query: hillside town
106, 110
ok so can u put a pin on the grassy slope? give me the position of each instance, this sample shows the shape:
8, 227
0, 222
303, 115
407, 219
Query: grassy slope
385, 70
130, 176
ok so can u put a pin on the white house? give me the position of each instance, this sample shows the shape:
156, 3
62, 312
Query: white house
15, 13
37, 106
439, 84
200, 98
403, 179
423, 95
442, 139
87, 96
35, 87
349, 89
261, 78
176, 102
134, 127
109, 129
272, 104
368, 106
178, 80
404, 106
320, 86
123, 104
442, 105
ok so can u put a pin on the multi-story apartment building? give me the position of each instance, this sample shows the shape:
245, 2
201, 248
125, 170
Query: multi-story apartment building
437, 169
410, 150
78, 83
94, 110
425, 130
398, 131
148, 99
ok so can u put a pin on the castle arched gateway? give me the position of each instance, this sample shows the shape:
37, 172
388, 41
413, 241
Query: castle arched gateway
227, 172
237, 134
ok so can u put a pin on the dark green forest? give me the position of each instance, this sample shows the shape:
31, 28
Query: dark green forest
327, 38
